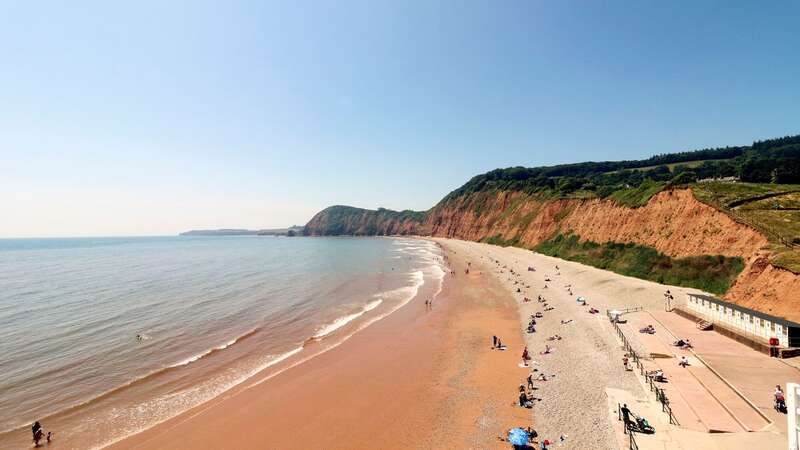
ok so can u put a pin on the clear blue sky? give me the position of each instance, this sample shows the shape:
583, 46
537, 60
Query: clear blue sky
153, 118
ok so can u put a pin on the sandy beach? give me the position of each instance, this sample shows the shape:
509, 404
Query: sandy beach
428, 378
419, 378
587, 360
586, 377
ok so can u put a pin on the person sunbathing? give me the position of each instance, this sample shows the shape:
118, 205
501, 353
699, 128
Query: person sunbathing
524, 401
683, 344
564, 322
657, 375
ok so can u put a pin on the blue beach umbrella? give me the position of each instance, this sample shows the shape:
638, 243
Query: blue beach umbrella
518, 436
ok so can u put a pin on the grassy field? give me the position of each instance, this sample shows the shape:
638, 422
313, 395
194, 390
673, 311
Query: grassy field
709, 273
725, 195
673, 165
636, 197
773, 209
788, 259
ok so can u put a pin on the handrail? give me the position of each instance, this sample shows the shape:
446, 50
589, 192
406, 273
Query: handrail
727, 383
661, 397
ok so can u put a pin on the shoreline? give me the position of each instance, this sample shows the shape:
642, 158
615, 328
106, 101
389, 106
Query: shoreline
428, 371
174, 389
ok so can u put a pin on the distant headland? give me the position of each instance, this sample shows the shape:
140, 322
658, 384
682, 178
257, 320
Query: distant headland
290, 231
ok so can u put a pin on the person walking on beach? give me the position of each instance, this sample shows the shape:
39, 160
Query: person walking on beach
38, 433
525, 357
626, 416
494, 342
530, 381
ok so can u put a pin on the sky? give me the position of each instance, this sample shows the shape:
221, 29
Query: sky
151, 118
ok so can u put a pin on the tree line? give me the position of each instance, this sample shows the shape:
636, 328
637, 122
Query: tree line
769, 161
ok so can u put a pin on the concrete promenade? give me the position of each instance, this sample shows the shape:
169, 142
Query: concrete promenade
727, 388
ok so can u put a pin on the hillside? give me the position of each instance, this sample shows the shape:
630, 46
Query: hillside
291, 231
640, 218
346, 220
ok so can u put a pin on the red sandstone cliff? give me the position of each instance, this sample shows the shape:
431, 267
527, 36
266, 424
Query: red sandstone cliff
673, 222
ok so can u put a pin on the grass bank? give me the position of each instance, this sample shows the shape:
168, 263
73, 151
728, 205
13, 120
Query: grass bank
709, 273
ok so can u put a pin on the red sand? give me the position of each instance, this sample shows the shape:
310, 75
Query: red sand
415, 379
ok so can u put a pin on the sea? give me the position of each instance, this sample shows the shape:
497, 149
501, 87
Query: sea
101, 338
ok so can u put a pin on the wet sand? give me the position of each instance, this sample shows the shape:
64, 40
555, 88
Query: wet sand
417, 379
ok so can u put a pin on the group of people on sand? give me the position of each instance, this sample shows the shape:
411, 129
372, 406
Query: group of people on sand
526, 397
38, 434
497, 343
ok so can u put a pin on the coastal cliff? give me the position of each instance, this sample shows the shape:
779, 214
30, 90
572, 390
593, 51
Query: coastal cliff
673, 222
341, 220
723, 220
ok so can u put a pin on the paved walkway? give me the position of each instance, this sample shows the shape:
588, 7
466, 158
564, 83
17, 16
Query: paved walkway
752, 373
695, 406
671, 437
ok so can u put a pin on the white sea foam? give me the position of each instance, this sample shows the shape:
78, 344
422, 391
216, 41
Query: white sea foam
344, 320
406, 294
171, 405
194, 358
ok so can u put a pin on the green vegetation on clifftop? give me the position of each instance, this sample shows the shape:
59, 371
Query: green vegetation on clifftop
773, 209
342, 220
774, 161
709, 273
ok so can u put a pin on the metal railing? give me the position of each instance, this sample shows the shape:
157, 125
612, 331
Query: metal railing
661, 397
632, 441
626, 429
626, 310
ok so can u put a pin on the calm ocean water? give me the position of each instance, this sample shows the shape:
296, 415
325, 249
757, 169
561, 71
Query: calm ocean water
213, 312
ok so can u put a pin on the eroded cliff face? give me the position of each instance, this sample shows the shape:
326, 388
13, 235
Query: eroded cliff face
673, 222
764, 287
